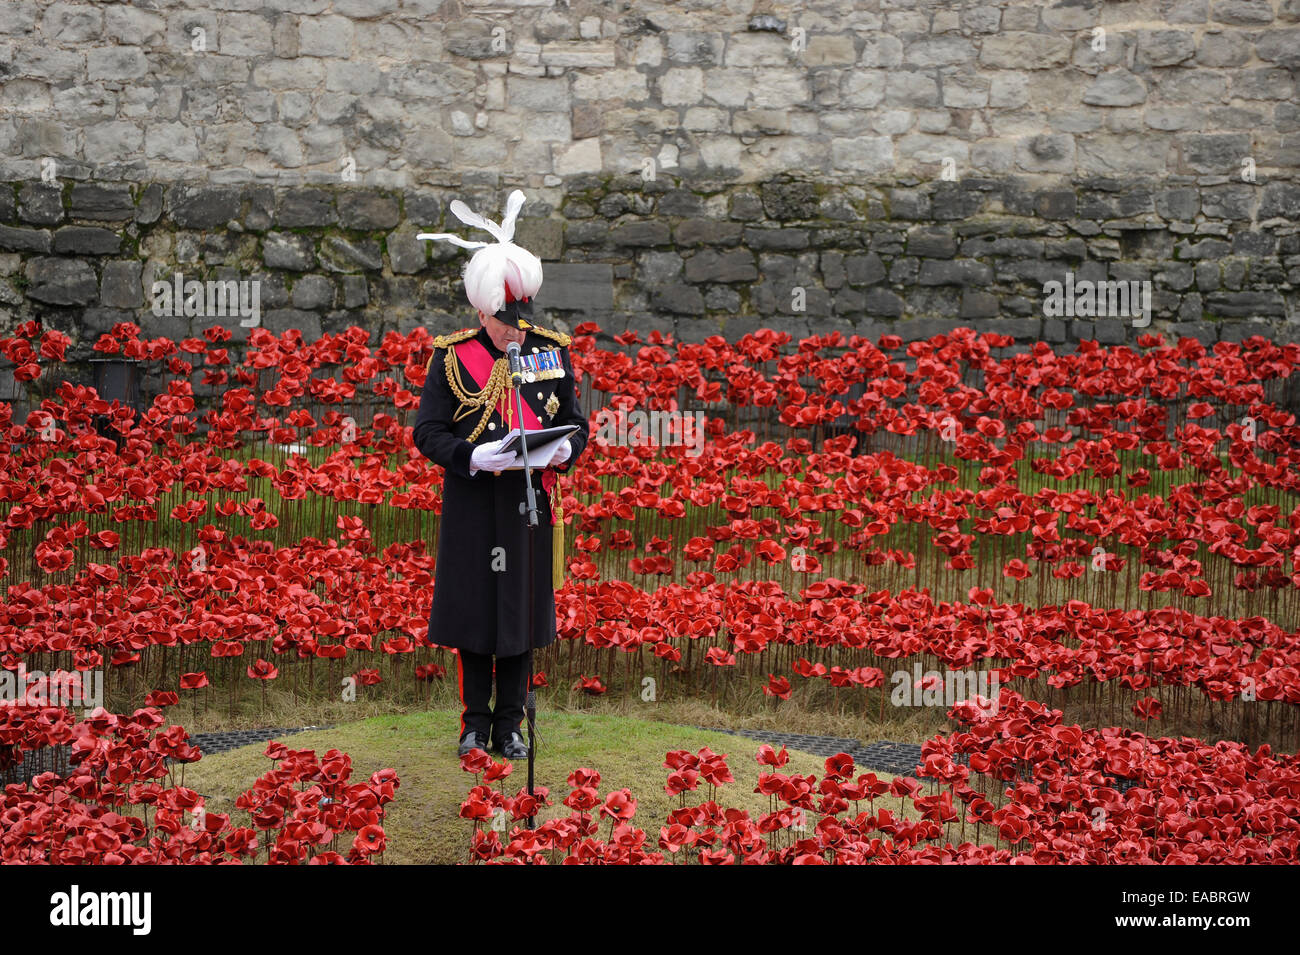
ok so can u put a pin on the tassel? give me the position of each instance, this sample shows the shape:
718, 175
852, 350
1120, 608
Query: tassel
557, 539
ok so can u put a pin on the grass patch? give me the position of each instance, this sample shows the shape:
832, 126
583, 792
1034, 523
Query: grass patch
423, 822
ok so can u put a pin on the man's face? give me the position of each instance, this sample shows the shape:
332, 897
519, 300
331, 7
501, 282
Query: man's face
501, 333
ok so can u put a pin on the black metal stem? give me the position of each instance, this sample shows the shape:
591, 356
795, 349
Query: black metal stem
530, 704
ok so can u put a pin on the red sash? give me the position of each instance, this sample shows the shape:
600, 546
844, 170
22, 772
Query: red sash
479, 364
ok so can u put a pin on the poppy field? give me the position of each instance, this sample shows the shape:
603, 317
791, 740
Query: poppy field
1109, 535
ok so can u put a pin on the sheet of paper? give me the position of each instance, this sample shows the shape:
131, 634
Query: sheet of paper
541, 454
538, 457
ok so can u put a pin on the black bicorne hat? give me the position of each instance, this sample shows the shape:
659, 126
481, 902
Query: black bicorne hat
517, 312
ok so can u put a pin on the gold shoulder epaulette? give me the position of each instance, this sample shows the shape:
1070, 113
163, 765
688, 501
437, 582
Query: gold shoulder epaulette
446, 341
560, 337
442, 341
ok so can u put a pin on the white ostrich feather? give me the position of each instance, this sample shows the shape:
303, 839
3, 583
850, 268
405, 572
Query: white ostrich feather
495, 263
453, 239
493, 267
471, 218
514, 202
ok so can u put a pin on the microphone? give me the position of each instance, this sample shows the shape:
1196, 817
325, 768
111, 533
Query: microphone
516, 372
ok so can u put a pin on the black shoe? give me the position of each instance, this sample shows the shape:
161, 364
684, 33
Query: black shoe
472, 740
514, 747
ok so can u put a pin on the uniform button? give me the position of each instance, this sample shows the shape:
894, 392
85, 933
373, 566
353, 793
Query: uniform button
539, 396
492, 425
534, 350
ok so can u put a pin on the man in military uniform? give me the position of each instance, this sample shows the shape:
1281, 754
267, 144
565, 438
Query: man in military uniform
480, 594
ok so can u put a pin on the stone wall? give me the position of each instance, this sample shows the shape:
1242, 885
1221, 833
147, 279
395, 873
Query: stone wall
419, 91
887, 165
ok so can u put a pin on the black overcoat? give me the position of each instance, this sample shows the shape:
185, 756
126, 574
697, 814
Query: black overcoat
479, 605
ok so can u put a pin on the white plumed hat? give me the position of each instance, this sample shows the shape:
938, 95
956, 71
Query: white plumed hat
500, 272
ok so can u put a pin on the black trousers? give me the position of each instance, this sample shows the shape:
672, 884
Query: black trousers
475, 674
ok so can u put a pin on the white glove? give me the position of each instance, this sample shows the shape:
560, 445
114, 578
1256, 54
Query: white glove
488, 457
562, 453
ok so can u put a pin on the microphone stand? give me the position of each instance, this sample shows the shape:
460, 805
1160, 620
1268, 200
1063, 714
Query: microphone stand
530, 510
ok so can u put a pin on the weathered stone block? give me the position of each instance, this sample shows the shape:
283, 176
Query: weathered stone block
1116, 88
1019, 50
1281, 47
86, 240
680, 202
1254, 244
849, 302
203, 207
949, 201
356, 292
286, 250
976, 304
1056, 204
592, 232
932, 245
1111, 331
306, 207
1207, 333
1280, 199
341, 255
708, 232
1180, 203
1207, 276
679, 299
763, 240
912, 89
1242, 12
786, 201
641, 234
424, 211
24, 240
1165, 47
543, 237
955, 272
313, 292
367, 210
709, 265
864, 269
884, 302
61, 281
408, 255
1214, 152
575, 286
119, 285
150, 207
40, 204
1245, 304
1175, 275
1205, 249
109, 202
1230, 201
